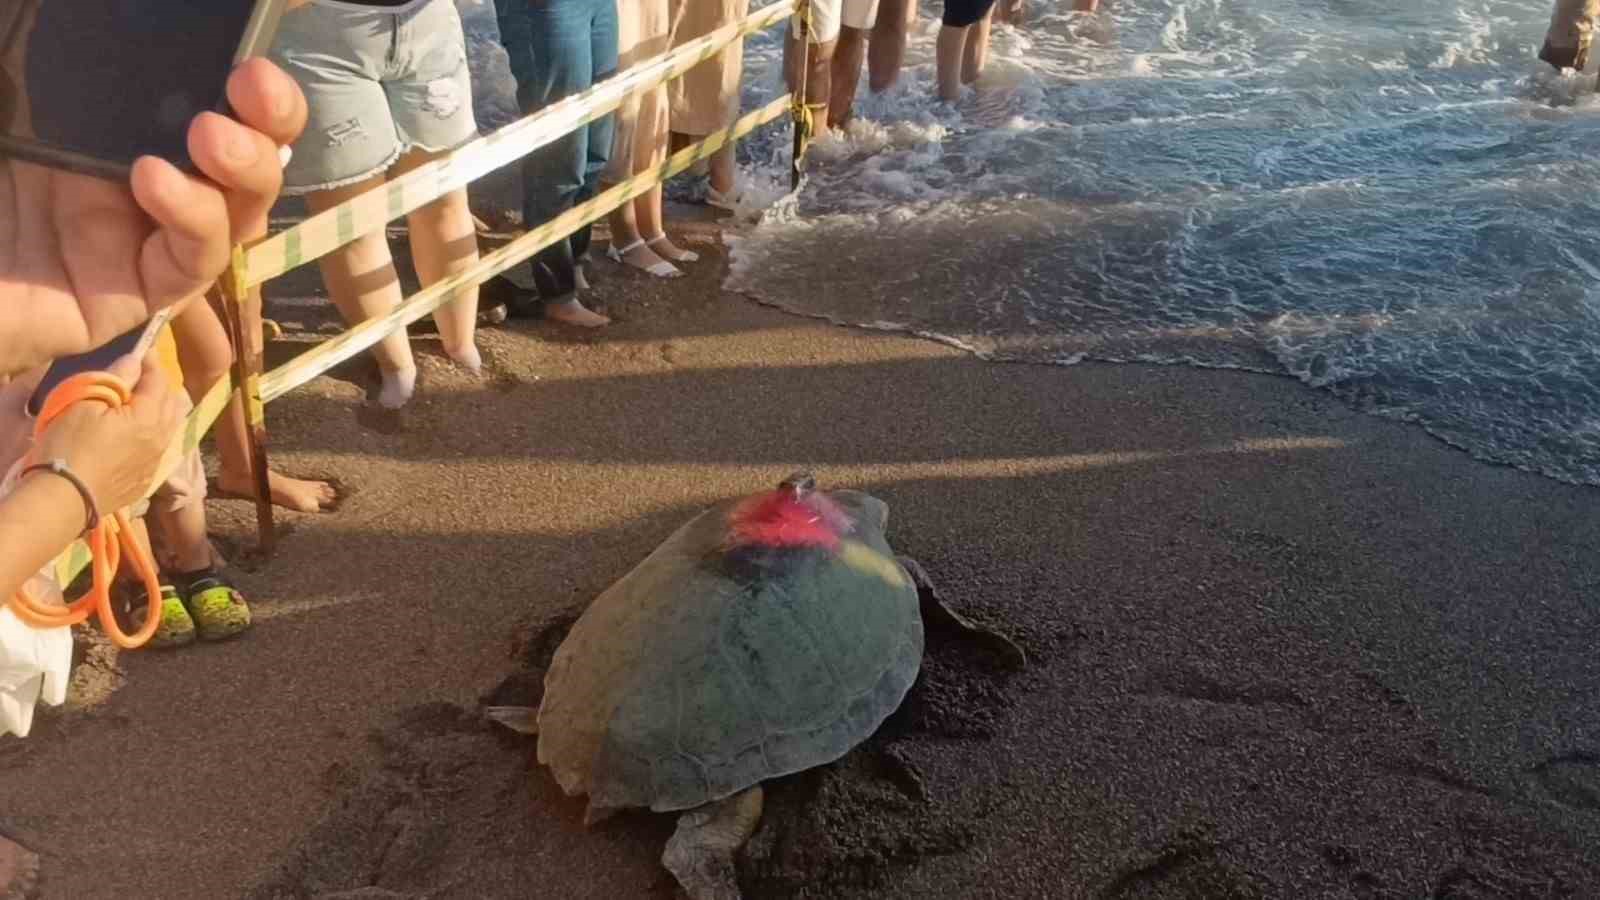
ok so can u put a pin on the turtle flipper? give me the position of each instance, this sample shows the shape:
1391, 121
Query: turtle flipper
522, 719
700, 853
938, 614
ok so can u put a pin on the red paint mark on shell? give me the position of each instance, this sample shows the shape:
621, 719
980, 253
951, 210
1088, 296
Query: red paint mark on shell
777, 519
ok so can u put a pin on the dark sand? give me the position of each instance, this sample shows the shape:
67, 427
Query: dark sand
1277, 648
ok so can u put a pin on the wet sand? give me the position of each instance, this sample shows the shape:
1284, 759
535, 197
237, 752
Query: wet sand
1277, 648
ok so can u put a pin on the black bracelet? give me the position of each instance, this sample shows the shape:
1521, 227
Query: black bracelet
59, 467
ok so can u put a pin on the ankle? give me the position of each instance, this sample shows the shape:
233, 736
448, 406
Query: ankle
398, 387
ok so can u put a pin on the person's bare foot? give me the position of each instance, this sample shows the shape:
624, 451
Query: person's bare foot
574, 313
297, 494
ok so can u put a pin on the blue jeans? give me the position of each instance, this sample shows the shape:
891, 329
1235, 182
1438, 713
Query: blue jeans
559, 48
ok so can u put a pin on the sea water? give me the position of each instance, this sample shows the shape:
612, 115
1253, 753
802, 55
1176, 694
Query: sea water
1393, 202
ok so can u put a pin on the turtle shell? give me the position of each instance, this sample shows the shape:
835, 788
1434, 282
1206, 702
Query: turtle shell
709, 668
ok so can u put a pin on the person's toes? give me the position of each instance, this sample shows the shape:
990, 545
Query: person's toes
574, 313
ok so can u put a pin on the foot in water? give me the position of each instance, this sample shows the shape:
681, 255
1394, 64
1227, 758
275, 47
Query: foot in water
297, 494
574, 313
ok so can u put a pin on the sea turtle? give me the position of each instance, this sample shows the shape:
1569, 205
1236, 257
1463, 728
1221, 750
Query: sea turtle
768, 635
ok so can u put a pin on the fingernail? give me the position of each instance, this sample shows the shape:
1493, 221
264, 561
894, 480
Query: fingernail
285, 153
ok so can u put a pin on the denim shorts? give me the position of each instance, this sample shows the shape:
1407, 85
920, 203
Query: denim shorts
379, 82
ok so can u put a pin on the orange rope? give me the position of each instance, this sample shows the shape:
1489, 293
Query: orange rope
109, 538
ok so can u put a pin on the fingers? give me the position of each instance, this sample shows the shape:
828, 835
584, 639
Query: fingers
197, 222
243, 156
266, 99
191, 243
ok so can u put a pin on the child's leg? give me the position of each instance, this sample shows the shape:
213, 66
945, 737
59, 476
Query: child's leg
189, 564
205, 354
976, 56
951, 49
178, 512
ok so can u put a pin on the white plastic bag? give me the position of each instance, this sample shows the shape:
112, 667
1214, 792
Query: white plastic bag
34, 662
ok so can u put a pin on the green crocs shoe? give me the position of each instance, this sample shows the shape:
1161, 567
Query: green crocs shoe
176, 628
219, 611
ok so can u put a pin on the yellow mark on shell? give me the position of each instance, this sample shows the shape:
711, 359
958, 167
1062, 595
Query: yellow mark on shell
868, 561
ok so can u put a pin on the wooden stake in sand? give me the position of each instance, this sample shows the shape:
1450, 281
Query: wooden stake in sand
241, 311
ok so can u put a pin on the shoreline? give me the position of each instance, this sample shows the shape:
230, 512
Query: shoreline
1281, 647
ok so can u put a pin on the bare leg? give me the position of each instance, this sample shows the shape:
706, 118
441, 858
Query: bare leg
951, 48
977, 49
700, 852
886, 52
819, 66
206, 356
444, 241
362, 283
723, 170
184, 544
722, 164
649, 151
1571, 32
847, 58
1087, 5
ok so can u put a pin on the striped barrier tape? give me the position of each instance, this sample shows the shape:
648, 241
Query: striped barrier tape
336, 350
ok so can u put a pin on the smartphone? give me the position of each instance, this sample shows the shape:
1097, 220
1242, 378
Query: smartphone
137, 342
91, 85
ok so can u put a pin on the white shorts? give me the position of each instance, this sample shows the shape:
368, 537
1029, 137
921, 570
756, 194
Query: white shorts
828, 15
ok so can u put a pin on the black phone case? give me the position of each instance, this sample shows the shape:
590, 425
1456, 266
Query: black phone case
256, 40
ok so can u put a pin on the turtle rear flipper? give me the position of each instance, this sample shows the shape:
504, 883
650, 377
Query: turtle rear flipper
700, 852
937, 614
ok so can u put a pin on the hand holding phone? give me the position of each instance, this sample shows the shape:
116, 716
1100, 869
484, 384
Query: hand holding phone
158, 238
92, 85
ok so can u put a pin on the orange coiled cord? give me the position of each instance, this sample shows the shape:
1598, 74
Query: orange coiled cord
107, 540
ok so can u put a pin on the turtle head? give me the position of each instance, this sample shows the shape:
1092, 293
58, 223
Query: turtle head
794, 515
799, 485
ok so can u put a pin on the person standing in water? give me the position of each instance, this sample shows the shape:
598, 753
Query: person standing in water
1572, 25
882, 44
963, 46
828, 19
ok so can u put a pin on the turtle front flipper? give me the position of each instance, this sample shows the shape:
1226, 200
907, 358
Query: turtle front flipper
700, 853
936, 613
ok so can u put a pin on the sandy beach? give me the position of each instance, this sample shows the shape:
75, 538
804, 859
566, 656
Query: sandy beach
1278, 648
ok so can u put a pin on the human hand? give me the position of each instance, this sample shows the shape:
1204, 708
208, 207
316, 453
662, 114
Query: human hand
117, 452
83, 260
